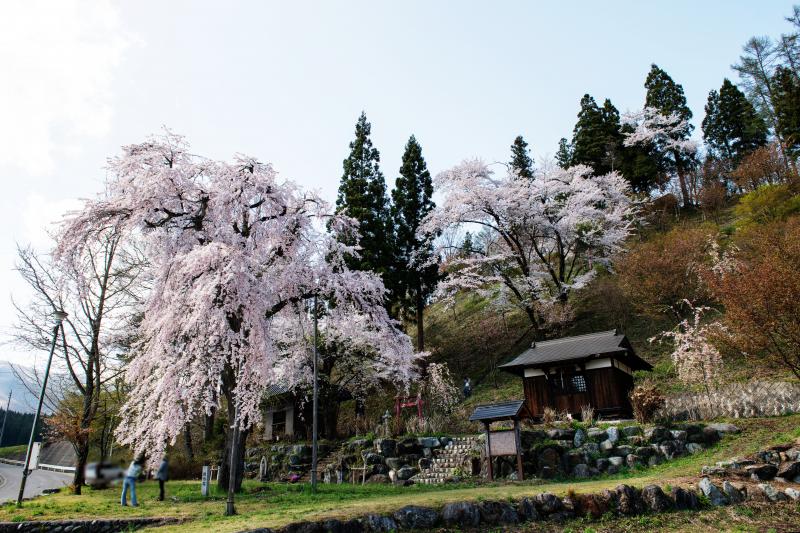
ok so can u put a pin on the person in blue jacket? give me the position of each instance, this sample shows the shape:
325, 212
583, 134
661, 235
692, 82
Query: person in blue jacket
162, 475
134, 470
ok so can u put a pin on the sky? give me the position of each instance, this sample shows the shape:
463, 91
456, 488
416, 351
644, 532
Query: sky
286, 81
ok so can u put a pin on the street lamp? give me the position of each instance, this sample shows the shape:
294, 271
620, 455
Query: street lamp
59, 318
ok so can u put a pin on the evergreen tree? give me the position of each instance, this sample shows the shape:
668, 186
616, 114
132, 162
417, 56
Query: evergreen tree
466, 245
521, 163
596, 139
415, 279
639, 164
732, 128
362, 195
786, 99
666, 96
564, 153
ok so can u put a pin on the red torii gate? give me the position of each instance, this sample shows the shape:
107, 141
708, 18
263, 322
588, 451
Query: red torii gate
405, 402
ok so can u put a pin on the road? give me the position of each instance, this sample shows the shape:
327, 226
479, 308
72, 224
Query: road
39, 480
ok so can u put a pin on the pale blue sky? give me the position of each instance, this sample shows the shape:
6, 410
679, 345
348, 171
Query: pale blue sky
285, 81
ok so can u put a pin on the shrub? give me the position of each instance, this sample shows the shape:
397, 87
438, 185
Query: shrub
549, 416
768, 203
646, 401
587, 415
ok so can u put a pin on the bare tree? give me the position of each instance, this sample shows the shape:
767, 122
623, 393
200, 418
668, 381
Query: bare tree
101, 288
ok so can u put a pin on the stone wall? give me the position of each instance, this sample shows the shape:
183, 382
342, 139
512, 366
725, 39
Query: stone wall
735, 400
84, 526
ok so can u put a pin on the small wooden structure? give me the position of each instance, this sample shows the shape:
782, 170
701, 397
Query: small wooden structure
405, 402
503, 442
587, 370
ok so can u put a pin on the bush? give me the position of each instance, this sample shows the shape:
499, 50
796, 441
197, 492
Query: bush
768, 203
646, 401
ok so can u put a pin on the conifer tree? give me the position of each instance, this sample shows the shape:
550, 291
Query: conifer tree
521, 163
596, 140
732, 128
564, 153
786, 98
415, 275
666, 96
362, 196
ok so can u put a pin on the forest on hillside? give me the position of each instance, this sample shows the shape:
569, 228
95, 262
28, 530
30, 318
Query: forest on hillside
196, 288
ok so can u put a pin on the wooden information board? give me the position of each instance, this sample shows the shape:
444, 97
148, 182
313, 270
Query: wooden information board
503, 443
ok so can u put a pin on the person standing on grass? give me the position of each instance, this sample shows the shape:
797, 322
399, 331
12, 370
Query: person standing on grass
467, 389
129, 482
162, 475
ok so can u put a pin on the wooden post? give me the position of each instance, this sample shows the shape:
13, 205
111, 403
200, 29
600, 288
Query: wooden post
519, 450
489, 450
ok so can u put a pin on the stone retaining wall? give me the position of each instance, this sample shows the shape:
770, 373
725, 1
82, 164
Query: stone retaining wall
84, 526
735, 400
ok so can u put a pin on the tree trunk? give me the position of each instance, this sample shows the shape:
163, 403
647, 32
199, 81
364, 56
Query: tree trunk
82, 453
420, 323
224, 469
187, 442
208, 428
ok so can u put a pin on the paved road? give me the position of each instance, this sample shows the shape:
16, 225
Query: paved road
39, 480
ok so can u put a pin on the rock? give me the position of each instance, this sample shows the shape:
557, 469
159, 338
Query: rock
461, 514
684, 499
408, 446
630, 431
373, 522
789, 470
644, 451
710, 436
623, 450
612, 469
761, 472
679, 434
415, 517
637, 440
655, 500
711, 492
395, 463
606, 445
574, 457
612, 433
667, 449
406, 472
723, 428
547, 503
386, 447
561, 434
694, 448
628, 500
592, 448
550, 459
602, 464
429, 442
372, 458
302, 527
616, 460
596, 433
526, 510
591, 504
657, 434
792, 493
579, 438
379, 478
772, 494
380, 469
424, 463
497, 512
654, 460
581, 471
734, 495
632, 461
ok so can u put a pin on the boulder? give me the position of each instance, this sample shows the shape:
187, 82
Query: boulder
623, 450
644, 451
526, 510
579, 438
694, 448
789, 470
655, 500
631, 431
632, 460
461, 514
657, 434
415, 517
299, 527
596, 433
547, 503
612, 469
679, 434
372, 458
772, 494
424, 463
549, 459
792, 493
429, 442
654, 460
574, 457
710, 436
629, 501
379, 469
606, 445
734, 495
395, 463
592, 448
374, 522
590, 504
616, 460
684, 499
710, 491
602, 464
581, 471
723, 428
409, 446
406, 472
612, 433
761, 472
379, 478
497, 512
333, 525
667, 449
561, 434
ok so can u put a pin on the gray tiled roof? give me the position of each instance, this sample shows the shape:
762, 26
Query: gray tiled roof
276, 389
497, 411
579, 347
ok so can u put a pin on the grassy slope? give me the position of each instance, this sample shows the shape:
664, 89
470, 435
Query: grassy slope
277, 504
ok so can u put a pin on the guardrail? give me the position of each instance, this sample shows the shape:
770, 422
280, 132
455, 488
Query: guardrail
42, 466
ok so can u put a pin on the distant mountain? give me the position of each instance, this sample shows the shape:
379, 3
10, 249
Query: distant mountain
21, 400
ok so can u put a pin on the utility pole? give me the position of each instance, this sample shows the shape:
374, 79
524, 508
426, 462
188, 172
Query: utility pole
316, 394
60, 316
5, 417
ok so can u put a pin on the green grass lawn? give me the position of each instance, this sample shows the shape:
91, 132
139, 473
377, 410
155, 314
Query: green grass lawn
274, 504
13, 452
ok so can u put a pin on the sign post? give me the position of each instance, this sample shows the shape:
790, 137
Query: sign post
37, 447
204, 482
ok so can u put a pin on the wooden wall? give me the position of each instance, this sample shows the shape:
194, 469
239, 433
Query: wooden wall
607, 391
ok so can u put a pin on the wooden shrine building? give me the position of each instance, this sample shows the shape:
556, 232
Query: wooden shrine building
568, 373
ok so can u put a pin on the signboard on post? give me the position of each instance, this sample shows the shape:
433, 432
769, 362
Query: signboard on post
204, 482
503, 443
34, 464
